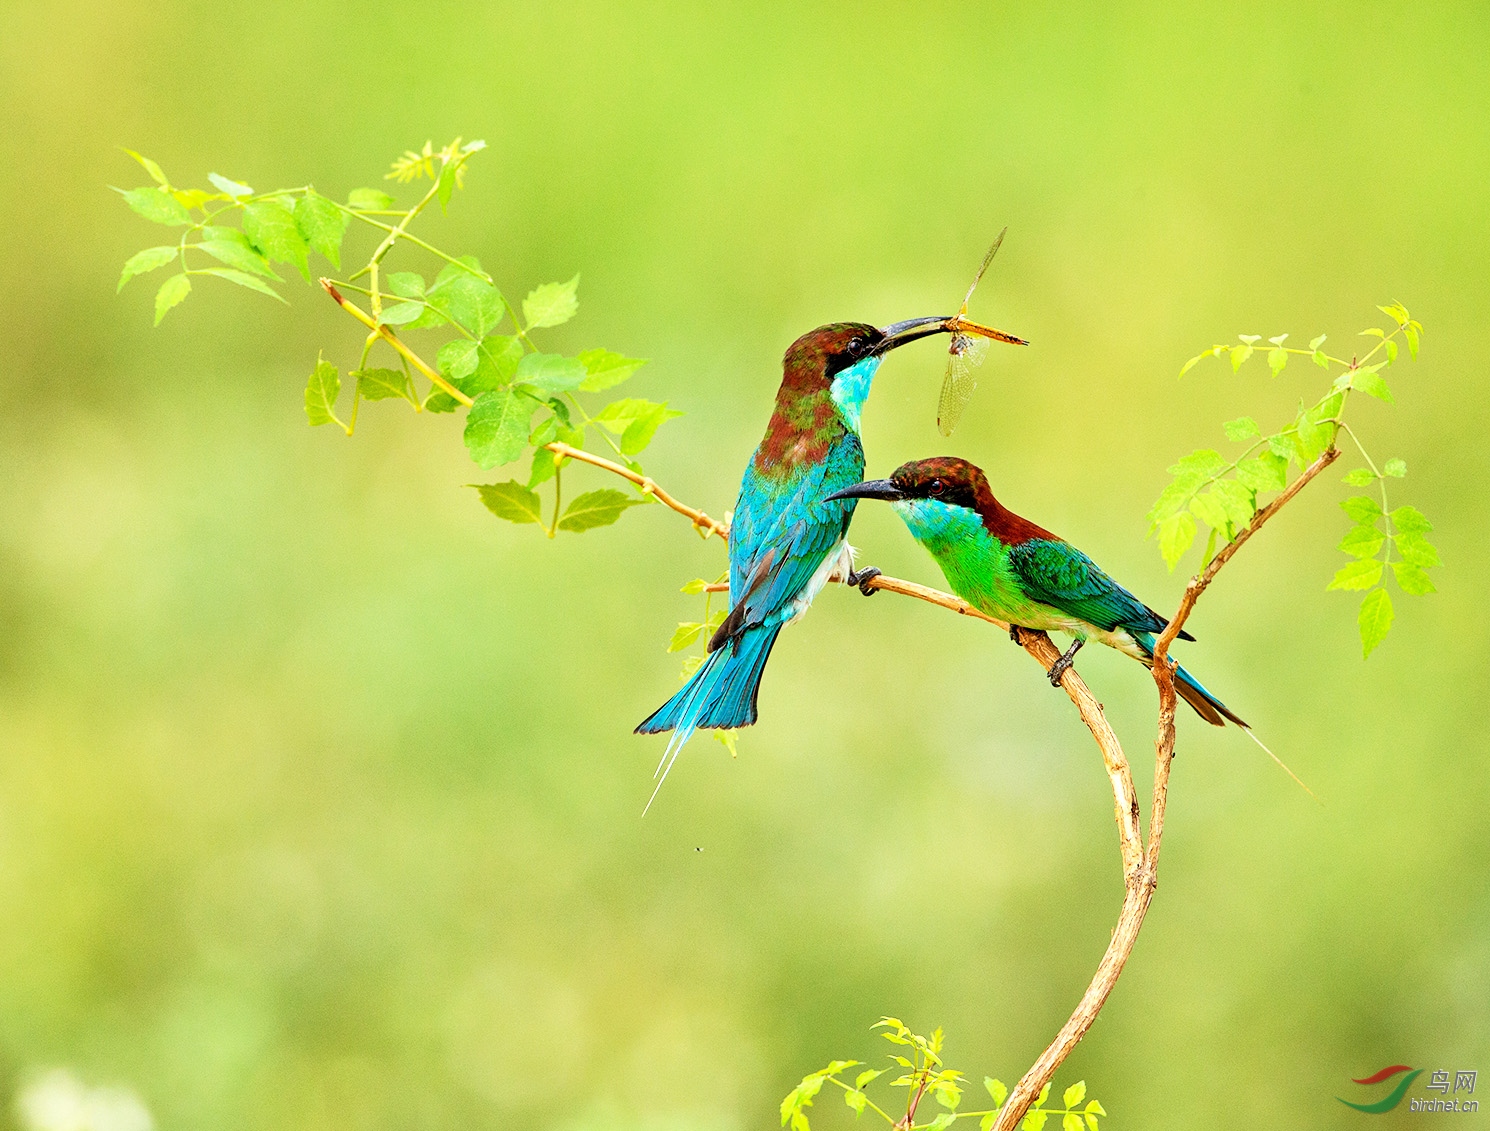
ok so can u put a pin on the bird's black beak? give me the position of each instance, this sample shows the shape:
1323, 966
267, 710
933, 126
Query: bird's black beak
899, 333
871, 489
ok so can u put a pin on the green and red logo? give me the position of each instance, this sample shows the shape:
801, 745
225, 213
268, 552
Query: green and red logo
1392, 1098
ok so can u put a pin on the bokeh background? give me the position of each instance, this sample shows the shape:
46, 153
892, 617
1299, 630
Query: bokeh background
319, 806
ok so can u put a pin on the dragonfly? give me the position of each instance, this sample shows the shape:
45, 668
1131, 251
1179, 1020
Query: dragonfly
968, 347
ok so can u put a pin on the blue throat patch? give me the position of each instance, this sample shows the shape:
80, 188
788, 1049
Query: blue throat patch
932, 522
850, 390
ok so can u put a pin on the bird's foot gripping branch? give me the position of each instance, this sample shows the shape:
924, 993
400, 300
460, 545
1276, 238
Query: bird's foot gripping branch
520, 399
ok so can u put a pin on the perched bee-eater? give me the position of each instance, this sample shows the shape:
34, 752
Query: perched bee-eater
1009, 568
786, 540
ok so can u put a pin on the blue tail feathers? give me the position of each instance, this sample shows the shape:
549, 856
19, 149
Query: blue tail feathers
1193, 692
721, 694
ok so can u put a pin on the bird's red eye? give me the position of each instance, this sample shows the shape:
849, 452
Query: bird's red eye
937, 487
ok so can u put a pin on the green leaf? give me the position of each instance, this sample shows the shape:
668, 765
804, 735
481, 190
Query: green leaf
1411, 334
321, 392
1277, 359
1035, 1121
322, 224
1416, 549
640, 431
1091, 1122
986, 1123
1410, 520
1240, 354
618, 416
1075, 1094
172, 291
457, 359
238, 253
231, 188
1375, 620
382, 384
1391, 348
271, 226
996, 1090
551, 304
946, 1093
684, 635
406, 284
150, 167
1094, 1108
243, 279
1175, 535
1362, 541
856, 1101
440, 401
597, 508
1360, 477
401, 313
1371, 384
1043, 1096
604, 369
1267, 472
446, 185
1199, 466
1412, 579
869, 1073
543, 467
156, 205
369, 200
1396, 468
942, 1120
142, 261
693, 588
1357, 575
1314, 345
1170, 500
1320, 359
1207, 507
1313, 438
510, 500
1363, 509
497, 360
1242, 428
551, 373
465, 299
1071, 1122
1237, 500
497, 427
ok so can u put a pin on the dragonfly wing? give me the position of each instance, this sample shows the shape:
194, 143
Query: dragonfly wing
963, 358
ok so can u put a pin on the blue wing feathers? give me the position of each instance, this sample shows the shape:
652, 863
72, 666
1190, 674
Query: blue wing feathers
1061, 576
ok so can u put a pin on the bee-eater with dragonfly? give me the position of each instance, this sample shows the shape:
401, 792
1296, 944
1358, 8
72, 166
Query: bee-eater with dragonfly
786, 540
1009, 568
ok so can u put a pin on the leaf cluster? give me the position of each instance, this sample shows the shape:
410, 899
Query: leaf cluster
1222, 493
924, 1074
516, 395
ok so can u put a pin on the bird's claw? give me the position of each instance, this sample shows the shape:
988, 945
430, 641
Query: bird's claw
1014, 635
862, 579
1058, 669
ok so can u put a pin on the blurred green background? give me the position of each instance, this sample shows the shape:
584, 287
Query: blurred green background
319, 806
